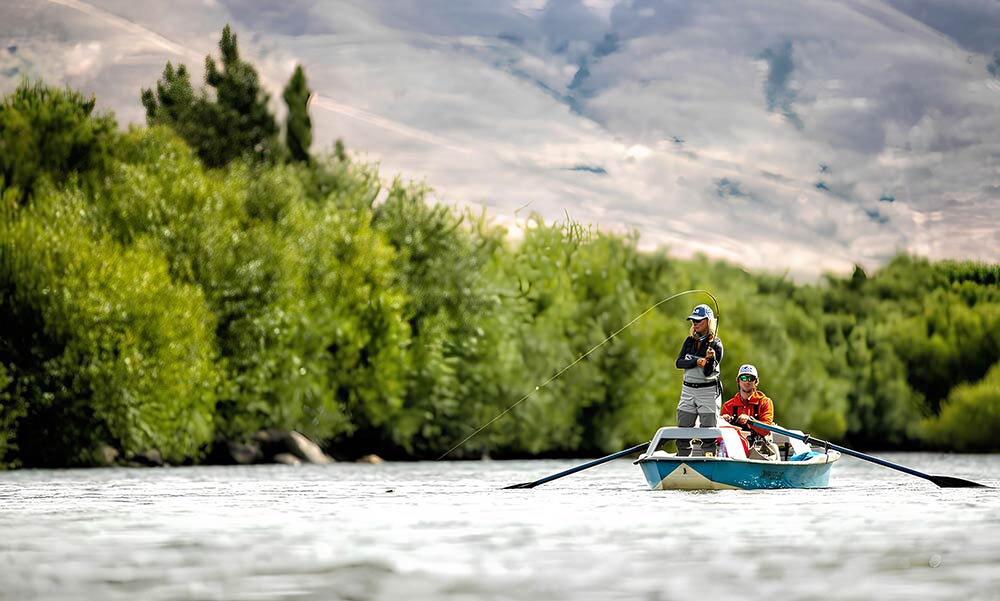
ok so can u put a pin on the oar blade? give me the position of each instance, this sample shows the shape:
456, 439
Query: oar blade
521, 485
952, 482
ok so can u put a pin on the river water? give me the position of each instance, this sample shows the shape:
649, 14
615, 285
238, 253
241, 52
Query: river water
444, 530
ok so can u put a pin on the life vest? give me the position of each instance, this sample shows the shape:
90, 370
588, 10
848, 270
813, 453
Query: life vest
754, 414
762, 410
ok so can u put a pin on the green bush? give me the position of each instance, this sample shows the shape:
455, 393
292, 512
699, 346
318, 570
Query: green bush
970, 416
106, 348
308, 324
442, 265
52, 133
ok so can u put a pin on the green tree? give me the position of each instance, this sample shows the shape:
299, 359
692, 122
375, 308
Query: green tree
12, 409
969, 417
53, 133
308, 323
176, 105
444, 265
101, 346
298, 125
237, 123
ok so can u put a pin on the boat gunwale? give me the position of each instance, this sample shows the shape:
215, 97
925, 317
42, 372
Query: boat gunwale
831, 457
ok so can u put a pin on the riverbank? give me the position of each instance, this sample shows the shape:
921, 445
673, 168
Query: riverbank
265, 447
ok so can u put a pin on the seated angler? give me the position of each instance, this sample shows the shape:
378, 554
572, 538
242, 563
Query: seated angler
751, 403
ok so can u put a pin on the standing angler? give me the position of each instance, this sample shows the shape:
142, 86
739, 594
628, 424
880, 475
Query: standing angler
701, 394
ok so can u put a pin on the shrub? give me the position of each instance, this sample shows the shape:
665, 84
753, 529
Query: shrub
105, 346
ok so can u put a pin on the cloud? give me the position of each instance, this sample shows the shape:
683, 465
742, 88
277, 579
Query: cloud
289, 17
778, 90
588, 169
970, 23
82, 59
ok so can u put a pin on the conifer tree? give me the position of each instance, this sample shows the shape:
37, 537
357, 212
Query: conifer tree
174, 104
237, 123
298, 125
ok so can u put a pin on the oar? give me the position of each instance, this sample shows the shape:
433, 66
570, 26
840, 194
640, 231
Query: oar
579, 468
942, 481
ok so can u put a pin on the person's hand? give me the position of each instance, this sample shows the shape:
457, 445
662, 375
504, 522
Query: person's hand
710, 354
728, 418
701, 362
742, 419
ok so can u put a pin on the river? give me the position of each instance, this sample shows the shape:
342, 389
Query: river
445, 530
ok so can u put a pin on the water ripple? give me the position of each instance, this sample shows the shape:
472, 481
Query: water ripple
446, 531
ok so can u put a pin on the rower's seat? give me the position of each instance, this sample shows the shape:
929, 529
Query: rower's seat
788, 447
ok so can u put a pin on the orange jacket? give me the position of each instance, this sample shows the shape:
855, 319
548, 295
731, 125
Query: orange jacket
758, 406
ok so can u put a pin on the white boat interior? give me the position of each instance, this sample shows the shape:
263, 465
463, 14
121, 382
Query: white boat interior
731, 443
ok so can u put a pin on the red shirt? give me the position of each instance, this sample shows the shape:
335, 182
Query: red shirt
758, 406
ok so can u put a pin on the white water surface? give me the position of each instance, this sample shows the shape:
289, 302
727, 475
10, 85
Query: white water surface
445, 530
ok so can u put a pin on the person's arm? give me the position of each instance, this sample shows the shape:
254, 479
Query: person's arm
766, 415
711, 364
686, 359
727, 411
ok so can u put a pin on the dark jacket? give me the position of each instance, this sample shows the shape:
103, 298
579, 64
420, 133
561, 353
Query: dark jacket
694, 349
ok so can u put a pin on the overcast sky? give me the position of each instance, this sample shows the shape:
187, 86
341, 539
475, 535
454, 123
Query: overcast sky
787, 136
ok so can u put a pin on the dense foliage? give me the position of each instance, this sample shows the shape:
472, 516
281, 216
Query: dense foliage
51, 134
149, 301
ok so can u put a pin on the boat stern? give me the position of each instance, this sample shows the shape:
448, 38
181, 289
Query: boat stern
682, 474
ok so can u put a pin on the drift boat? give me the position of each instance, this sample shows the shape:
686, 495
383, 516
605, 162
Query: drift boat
797, 466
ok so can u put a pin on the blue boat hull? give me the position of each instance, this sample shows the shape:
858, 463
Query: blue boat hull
715, 473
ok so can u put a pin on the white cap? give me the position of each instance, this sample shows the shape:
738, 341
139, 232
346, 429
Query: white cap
746, 369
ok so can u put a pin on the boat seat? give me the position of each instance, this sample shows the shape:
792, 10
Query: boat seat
788, 447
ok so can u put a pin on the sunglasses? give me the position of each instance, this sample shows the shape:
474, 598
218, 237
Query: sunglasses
747, 379
697, 321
